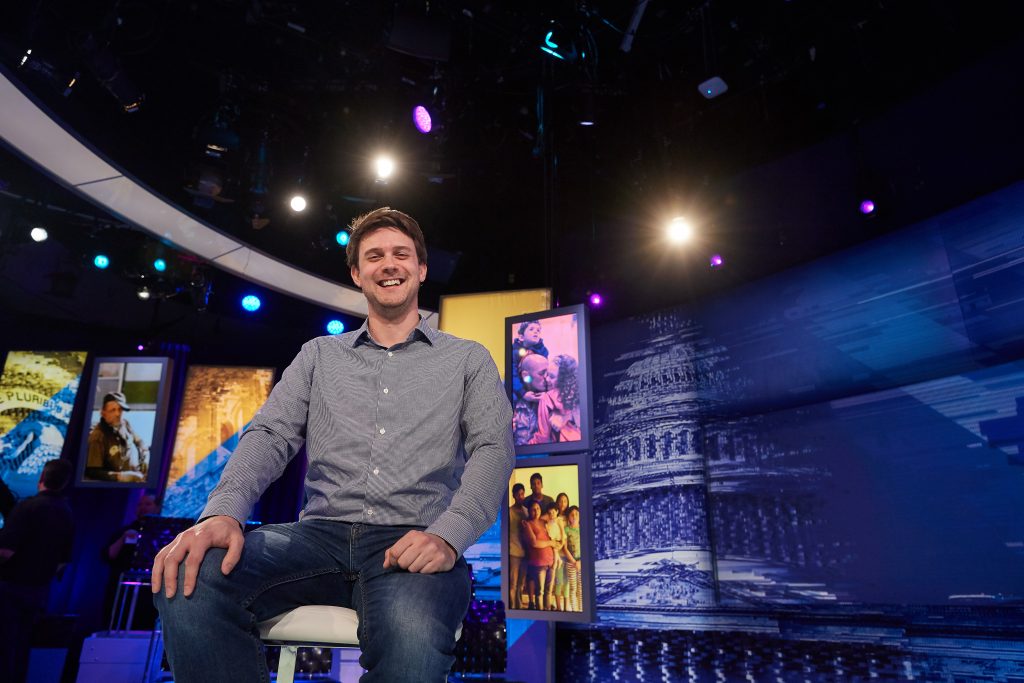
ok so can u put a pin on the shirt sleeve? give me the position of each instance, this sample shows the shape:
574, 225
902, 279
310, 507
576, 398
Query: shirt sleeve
275, 435
486, 424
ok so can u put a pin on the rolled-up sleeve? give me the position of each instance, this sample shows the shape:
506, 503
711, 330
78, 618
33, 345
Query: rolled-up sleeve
486, 423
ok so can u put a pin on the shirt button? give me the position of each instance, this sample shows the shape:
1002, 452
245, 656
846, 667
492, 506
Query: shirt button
376, 470
385, 390
369, 511
390, 354
381, 430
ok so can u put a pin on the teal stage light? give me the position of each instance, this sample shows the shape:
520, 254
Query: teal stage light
159, 265
335, 327
101, 261
251, 303
342, 237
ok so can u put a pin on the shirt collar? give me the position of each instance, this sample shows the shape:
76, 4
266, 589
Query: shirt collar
421, 331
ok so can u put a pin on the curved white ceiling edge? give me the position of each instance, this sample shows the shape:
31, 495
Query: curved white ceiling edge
30, 130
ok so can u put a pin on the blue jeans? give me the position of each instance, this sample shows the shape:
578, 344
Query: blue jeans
407, 622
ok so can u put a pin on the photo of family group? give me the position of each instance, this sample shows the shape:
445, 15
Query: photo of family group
546, 380
547, 556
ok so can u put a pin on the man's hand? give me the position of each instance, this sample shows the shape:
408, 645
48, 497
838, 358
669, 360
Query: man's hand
191, 546
420, 552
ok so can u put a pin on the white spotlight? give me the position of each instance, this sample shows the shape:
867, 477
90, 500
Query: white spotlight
385, 167
298, 203
39, 234
679, 230
142, 293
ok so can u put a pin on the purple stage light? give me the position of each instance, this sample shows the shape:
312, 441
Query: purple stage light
421, 118
717, 261
140, 347
596, 299
867, 207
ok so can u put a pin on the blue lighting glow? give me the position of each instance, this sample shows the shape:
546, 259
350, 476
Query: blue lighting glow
251, 303
159, 265
101, 261
342, 237
335, 327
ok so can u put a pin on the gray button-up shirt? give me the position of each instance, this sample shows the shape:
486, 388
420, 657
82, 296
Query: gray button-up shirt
416, 434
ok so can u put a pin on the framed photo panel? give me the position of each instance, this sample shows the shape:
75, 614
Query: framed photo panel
126, 419
547, 377
37, 397
547, 534
217, 406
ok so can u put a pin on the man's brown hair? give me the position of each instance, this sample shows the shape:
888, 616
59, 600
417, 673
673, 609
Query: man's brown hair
384, 217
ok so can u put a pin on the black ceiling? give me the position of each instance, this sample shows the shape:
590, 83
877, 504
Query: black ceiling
913, 103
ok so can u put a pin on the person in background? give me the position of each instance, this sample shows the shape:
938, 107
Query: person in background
116, 452
516, 552
35, 545
558, 412
573, 552
537, 493
556, 577
118, 553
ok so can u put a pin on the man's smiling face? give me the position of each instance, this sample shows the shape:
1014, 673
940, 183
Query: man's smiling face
389, 273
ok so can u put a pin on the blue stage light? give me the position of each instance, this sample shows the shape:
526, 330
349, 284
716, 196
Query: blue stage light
335, 327
159, 265
101, 261
342, 237
558, 43
251, 302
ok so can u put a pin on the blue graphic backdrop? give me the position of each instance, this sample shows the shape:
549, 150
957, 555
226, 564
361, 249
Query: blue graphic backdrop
845, 433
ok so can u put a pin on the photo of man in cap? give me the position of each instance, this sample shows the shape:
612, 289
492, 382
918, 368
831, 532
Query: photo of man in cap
116, 452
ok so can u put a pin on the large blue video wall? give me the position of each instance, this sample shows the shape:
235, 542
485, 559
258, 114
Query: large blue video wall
841, 435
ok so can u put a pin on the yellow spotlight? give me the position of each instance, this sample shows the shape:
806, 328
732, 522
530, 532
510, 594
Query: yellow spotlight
679, 230
298, 203
385, 167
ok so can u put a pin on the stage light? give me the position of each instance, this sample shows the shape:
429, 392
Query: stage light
159, 265
867, 207
596, 299
101, 261
140, 347
142, 293
251, 303
421, 119
335, 327
717, 261
385, 167
298, 203
586, 122
24, 58
713, 87
342, 238
558, 44
679, 230
38, 234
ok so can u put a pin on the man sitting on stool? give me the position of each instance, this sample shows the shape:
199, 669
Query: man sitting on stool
409, 438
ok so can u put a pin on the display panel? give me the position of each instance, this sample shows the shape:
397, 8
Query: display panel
547, 376
37, 395
125, 422
480, 316
217, 406
547, 553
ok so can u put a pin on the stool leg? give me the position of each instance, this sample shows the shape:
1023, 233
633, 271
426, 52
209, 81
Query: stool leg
286, 664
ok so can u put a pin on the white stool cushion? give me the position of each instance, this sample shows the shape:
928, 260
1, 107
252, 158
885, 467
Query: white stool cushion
314, 625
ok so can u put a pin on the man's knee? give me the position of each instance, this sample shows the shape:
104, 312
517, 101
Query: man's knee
209, 579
